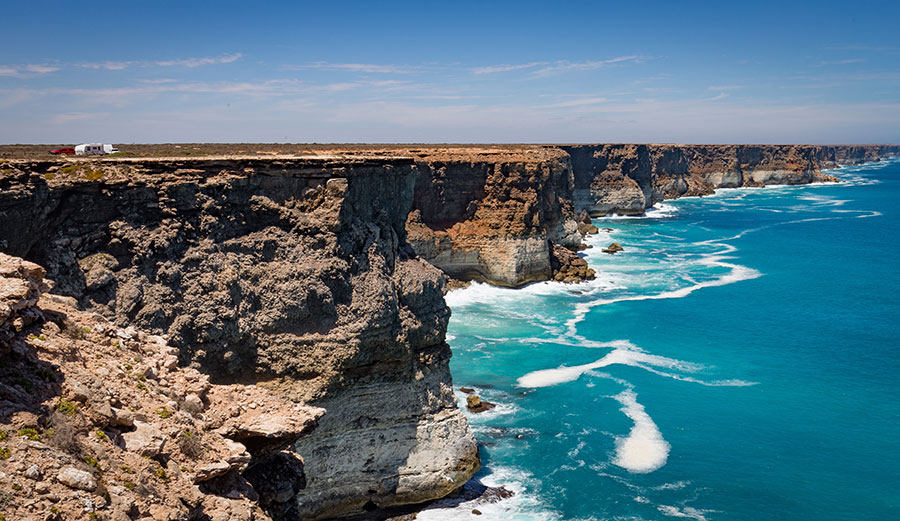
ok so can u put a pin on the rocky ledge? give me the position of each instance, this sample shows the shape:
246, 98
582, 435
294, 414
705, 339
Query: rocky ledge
100, 422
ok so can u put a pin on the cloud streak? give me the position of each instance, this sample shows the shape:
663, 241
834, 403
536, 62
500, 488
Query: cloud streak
545, 68
184, 62
366, 68
26, 71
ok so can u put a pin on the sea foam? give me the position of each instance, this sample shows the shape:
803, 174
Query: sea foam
644, 449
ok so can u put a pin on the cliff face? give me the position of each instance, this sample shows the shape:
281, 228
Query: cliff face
627, 179
291, 274
315, 280
493, 215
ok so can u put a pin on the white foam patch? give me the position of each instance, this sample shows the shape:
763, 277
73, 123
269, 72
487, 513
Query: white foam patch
644, 449
657, 211
737, 273
624, 353
525, 505
677, 485
685, 512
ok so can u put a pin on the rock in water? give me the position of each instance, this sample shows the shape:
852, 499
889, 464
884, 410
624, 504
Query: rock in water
475, 404
613, 248
567, 266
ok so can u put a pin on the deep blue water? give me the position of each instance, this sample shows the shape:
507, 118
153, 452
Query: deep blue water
740, 360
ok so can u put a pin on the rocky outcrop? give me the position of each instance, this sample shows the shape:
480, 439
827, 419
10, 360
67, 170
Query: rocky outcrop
292, 274
98, 423
21, 285
493, 214
627, 179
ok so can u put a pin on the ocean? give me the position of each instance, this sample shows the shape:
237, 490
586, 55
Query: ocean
739, 360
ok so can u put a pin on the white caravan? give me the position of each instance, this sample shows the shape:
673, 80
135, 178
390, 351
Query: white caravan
94, 149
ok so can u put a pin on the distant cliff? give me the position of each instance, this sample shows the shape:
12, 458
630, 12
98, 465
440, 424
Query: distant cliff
627, 179
495, 213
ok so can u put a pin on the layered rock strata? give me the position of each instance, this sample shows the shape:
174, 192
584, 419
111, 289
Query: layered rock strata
626, 179
493, 215
314, 280
292, 274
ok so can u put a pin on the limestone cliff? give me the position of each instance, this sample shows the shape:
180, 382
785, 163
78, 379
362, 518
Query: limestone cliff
292, 274
493, 214
314, 279
627, 179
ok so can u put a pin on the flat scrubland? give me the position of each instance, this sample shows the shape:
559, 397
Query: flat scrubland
216, 150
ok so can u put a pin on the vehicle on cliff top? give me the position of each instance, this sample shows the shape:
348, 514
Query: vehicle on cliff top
63, 151
92, 149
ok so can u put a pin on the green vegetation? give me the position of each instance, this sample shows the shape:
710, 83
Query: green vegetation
164, 413
3, 435
67, 407
160, 473
128, 484
100, 435
142, 386
92, 175
126, 469
5, 453
92, 461
49, 175
30, 433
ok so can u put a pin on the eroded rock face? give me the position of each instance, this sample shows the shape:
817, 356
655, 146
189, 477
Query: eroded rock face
488, 214
626, 179
293, 274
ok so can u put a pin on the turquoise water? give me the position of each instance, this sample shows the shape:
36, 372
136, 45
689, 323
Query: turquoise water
738, 361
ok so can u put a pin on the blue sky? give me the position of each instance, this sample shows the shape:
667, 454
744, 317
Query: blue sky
691, 72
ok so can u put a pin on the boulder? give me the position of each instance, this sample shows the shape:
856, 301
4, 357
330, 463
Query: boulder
146, 439
613, 248
475, 404
77, 479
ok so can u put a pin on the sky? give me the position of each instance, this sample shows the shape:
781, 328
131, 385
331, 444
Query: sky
450, 72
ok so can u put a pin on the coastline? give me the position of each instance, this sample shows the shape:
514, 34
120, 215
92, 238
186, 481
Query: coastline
478, 347
103, 228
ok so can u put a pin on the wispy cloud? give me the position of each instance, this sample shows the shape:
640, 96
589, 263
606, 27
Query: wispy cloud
184, 62
199, 62
725, 87
490, 69
366, 68
567, 66
26, 71
546, 68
